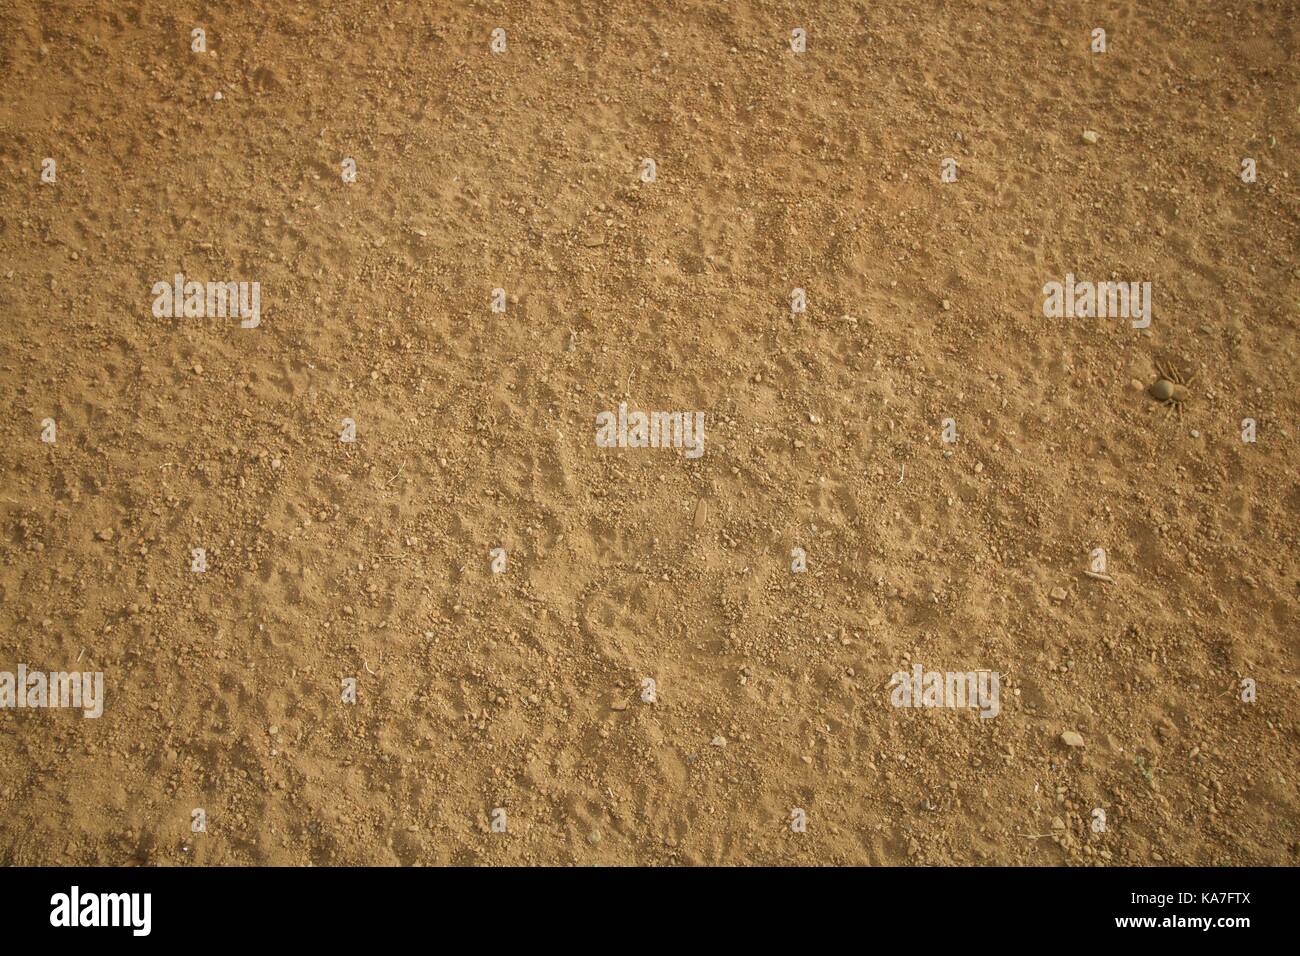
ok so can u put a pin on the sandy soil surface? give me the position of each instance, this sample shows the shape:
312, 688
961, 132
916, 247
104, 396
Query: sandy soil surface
523, 691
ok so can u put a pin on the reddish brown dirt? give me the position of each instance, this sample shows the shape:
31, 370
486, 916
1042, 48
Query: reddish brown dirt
475, 430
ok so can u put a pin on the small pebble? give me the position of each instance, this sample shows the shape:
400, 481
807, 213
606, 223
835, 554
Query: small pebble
1072, 738
1090, 137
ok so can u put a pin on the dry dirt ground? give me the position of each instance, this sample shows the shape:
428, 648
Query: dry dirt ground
476, 692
